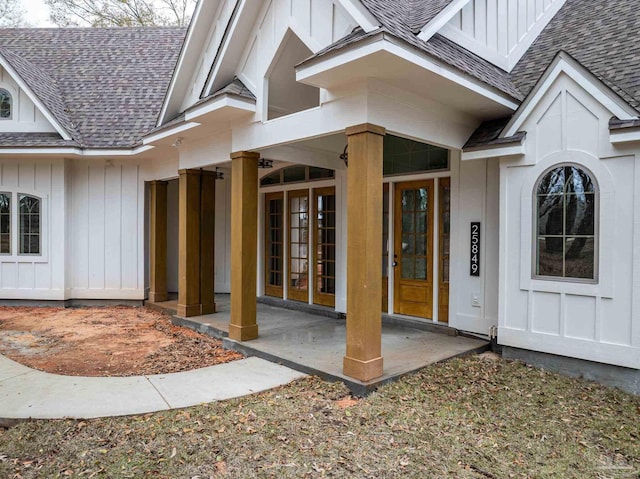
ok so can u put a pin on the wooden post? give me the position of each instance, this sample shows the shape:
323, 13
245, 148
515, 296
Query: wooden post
244, 250
189, 244
363, 360
158, 242
207, 241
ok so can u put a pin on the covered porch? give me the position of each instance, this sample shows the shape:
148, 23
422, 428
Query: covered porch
313, 341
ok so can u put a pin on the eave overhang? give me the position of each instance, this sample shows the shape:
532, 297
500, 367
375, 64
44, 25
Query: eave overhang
514, 147
385, 57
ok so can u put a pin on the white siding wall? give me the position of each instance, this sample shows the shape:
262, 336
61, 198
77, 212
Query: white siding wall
222, 282
597, 322
172, 235
106, 231
474, 198
36, 277
318, 23
25, 116
500, 30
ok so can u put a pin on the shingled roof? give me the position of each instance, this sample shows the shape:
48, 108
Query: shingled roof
105, 86
601, 35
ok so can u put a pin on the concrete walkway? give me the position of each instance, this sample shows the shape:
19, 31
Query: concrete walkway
27, 393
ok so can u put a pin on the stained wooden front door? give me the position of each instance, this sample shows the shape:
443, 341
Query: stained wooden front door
413, 253
298, 211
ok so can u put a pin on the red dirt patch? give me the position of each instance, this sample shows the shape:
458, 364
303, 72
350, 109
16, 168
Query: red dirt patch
110, 341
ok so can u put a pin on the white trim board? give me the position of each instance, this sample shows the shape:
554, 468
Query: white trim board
441, 19
34, 98
564, 63
385, 43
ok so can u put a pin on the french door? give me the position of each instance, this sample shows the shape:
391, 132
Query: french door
298, 271
413, 248
274, 244
324, 249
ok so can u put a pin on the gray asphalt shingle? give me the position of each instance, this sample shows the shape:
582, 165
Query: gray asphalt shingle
106, 85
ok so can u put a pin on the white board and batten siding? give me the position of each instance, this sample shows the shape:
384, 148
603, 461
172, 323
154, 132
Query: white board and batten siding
31, 276
500, 31
106, 231
597, 322
25, 116
317, 23
92, 217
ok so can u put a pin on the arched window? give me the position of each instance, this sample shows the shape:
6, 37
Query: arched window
565, 214
5, 104
29, 224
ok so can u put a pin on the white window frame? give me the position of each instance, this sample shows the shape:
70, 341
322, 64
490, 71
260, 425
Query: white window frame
15, 256
606, 227
11, 102
596, 228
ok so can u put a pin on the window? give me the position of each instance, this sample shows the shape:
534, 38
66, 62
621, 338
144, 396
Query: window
29, 224
5, 223
402, 156
296, 174
5, 104
565, 216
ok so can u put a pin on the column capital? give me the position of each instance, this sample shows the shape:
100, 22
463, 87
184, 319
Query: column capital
365, 128
245, 154
190, 171
158, 182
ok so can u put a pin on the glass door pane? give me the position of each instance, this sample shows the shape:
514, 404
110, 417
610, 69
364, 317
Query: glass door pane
298, 245
274, 244
325, 246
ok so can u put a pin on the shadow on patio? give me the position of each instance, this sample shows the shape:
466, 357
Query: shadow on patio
315, 344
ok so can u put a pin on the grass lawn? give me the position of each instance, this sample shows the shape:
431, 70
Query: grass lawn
474, 417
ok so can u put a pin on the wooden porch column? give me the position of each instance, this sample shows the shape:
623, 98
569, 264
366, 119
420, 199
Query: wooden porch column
158, 242
189, 243
244, 250
207, 241
363, 360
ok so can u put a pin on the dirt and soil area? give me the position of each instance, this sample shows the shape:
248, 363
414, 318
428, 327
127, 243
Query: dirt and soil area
109, 341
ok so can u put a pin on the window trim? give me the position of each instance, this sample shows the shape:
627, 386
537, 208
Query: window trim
10, 195
596, 228
15, 256
10, 117
19, 233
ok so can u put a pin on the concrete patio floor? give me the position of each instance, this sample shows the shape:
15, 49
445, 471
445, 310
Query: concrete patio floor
315, 344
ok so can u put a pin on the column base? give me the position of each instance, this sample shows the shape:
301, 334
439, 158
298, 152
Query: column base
158, 297
209, 308
189, 310
243, 333
362, 370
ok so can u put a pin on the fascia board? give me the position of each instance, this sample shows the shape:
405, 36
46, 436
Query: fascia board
76, 151
186, 59
169, 132
598, 90
382, 42
441, 19
624, 135
360, 14
227, 39
223, 101
509, 150
34, 98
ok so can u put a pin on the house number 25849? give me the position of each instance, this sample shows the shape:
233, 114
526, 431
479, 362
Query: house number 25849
475, 248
